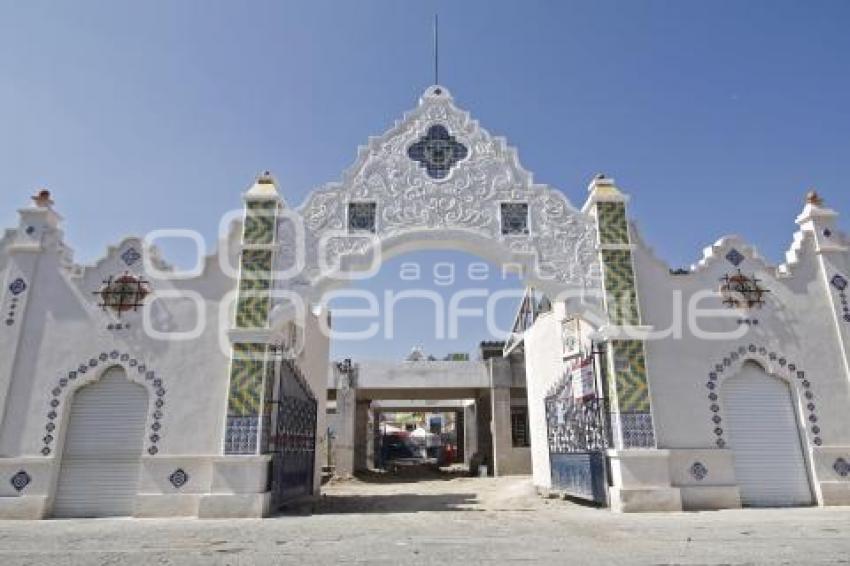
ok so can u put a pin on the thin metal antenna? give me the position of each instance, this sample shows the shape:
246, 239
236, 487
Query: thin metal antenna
436, 50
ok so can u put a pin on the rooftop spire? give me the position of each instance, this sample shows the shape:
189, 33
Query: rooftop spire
42, 199
812, 197
436, 50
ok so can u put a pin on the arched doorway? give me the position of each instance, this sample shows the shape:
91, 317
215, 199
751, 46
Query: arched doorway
764, 437
99, 473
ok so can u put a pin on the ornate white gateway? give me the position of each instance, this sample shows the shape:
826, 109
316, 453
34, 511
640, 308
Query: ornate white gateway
437, 179
434, 180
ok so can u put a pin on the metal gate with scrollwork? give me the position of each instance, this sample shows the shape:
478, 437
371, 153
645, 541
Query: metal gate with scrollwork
293, 436
577, 442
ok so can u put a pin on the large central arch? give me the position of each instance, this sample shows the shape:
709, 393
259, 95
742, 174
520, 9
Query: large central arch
435, 180
438, 177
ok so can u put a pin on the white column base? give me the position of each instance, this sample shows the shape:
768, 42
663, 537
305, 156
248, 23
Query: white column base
25, 507
645, 500
641, 481
234, 506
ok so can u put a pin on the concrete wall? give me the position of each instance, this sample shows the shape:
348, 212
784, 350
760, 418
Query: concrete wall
422, 375
60, 340
544, 368
800, 328
797, 326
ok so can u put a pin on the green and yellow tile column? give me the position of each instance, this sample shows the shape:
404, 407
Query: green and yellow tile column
628, 389
251, 362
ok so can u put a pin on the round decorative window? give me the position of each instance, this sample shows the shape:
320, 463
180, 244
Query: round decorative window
437, 152
741, 291
124, 293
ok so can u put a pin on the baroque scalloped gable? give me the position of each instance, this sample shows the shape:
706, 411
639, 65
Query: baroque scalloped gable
5, 240
468, 199
718, 250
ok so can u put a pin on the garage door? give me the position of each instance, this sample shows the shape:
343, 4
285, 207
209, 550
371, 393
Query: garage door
762, 430
99, 474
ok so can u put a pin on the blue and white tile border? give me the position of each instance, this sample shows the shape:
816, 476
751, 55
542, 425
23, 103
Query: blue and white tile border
20, 480
840, 283
774, 364
87, 373
17, 289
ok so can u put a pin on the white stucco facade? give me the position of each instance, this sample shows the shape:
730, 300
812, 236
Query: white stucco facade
57, 339
212, 348
799, 336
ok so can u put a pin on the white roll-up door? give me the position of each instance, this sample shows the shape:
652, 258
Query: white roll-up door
761, 428
99, 474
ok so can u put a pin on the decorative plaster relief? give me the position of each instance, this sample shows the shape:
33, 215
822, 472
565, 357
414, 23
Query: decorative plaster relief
420, 180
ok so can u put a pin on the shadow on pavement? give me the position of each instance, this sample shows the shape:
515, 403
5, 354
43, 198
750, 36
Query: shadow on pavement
391, 503
410, 474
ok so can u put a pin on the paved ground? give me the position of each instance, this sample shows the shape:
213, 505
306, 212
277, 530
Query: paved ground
441, 521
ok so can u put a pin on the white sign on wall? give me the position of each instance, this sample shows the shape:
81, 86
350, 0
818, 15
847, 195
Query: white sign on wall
571, 337
582, 379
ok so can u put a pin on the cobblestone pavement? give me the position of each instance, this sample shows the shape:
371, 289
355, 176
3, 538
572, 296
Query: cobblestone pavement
441, 521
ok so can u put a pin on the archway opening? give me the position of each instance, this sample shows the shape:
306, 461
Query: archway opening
102, 448
764, 436
420, 387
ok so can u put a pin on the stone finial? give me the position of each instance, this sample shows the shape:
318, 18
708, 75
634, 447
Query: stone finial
812, 197
264, 187
602, 188
42, 199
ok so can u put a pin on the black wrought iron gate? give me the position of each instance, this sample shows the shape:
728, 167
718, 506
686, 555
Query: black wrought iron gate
577, 442
293, 435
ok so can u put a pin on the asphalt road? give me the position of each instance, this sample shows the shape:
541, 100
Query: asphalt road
441, 521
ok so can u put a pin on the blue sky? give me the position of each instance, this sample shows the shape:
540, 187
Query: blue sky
715, 116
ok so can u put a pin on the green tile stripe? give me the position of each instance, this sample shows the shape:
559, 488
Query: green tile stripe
256, 263
248, 284
629, 376
620, 294
259, 222
252, 312
252, 306
611, 220
247, 368
268, 394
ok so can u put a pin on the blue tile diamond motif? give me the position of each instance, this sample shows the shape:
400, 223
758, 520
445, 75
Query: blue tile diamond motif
20, 480
131, 256
178, 478
17, 286
438, 152
362, 216
735, 257
839, 282
514, 218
